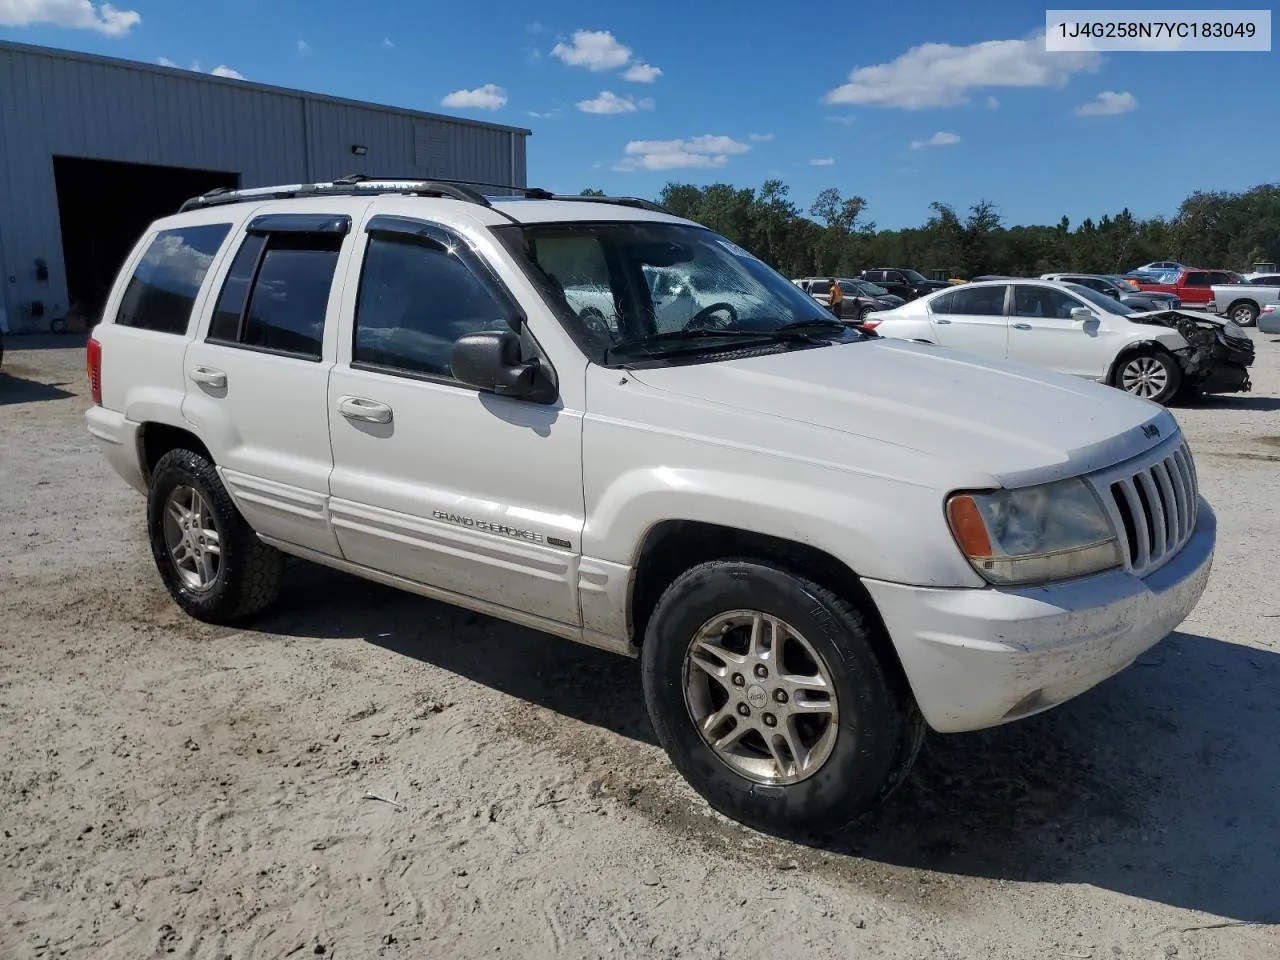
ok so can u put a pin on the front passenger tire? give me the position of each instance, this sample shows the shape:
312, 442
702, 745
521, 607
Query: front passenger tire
772, 697
1151, 374
210, 559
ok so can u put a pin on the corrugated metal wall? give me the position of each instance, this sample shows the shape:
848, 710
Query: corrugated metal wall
54, 102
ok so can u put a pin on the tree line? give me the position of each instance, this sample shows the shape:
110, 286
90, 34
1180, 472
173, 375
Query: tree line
835, 238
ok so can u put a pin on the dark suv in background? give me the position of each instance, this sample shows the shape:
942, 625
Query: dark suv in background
902, 282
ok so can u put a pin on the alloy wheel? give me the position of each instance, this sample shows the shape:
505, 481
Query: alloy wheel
1144, 377
761, 697
192, 538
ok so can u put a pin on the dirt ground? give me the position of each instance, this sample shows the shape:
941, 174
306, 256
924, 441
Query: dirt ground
370, 774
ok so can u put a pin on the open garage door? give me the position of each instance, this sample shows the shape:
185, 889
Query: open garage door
104, 206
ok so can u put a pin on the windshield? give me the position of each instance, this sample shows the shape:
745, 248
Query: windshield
617, 284
1101, 300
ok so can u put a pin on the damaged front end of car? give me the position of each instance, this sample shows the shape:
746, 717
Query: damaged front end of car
1217, 356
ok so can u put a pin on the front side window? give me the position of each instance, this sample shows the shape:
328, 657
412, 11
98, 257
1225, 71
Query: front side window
619, 285
417, 298
914, 277
1197, 279
165, 283
984, 301
1043, 302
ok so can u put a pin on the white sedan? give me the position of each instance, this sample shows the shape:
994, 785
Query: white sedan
1074, 330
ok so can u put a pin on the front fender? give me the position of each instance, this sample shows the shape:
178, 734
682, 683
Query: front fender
882, 529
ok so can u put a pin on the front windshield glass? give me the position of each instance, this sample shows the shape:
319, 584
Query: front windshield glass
1101, 300
617, 284
914, 277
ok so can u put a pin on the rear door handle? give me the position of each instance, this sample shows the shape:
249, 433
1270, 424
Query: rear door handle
940, 320
208, 376
367, 411
1022, 326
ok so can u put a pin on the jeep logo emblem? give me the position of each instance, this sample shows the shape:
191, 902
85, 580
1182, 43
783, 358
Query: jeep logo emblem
1150, 430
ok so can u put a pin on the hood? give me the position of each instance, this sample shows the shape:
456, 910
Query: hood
1176, 318
964, 419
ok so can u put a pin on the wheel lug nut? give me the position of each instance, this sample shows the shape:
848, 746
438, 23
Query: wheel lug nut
738, 680
770, 720
780, 695
744, 710
761, 671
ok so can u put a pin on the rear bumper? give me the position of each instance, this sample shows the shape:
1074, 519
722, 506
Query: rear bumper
117, 437
978, 658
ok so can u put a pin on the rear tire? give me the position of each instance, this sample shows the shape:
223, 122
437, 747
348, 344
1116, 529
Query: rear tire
826, 689
1150, 374
210, 559
1244, 314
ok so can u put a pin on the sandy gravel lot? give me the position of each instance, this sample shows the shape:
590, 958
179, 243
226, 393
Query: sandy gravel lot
171, 789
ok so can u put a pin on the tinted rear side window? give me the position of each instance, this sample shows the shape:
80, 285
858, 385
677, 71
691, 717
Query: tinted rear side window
235, 290
286, 311
979, 301
165, 283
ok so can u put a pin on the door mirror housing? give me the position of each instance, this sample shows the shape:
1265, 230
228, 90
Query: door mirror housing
1082, 313
493, 361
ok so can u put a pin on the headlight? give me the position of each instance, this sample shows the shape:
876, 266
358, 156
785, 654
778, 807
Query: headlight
1054, 531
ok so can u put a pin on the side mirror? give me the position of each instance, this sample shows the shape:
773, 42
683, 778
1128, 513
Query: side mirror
491, 361
1081, 313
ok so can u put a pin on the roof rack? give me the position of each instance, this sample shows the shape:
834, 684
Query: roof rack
356, 185
360, 185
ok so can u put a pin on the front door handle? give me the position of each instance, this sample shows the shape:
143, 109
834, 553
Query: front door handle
367, 411
208, 377
1022, 326
940, 320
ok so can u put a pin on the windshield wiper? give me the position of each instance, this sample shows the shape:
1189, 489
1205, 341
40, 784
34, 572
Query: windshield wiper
817, 323
785, 334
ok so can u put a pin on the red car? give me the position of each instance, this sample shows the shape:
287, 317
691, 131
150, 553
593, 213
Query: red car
1193, 286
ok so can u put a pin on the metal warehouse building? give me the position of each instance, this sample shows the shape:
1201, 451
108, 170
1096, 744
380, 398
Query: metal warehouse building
92, 149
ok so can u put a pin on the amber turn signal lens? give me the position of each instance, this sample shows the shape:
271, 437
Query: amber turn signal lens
967, 526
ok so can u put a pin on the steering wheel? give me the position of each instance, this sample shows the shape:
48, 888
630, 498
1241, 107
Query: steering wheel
702, 319
594, 321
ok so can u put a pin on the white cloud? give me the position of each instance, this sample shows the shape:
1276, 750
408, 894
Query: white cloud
760, 137
708, 150
941, 75
596, 50
610, 102
939, 139
548, 115
488, 97
1107, 104
74, 14
845, 118
222, 70
304, 47
640, 72
822, 162
166, 62
386, 42
993, 103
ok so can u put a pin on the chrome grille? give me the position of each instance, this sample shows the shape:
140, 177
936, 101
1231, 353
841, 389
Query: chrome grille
1153, 505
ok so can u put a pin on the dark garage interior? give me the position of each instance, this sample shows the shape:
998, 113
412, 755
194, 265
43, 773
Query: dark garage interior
104, 206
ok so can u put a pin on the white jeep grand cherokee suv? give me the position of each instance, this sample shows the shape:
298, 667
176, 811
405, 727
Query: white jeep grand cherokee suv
817, 541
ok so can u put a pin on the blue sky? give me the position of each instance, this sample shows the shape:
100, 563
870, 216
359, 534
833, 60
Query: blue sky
903, 104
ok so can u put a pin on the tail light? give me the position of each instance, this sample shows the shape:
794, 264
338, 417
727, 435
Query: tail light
870, 323
93, 366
